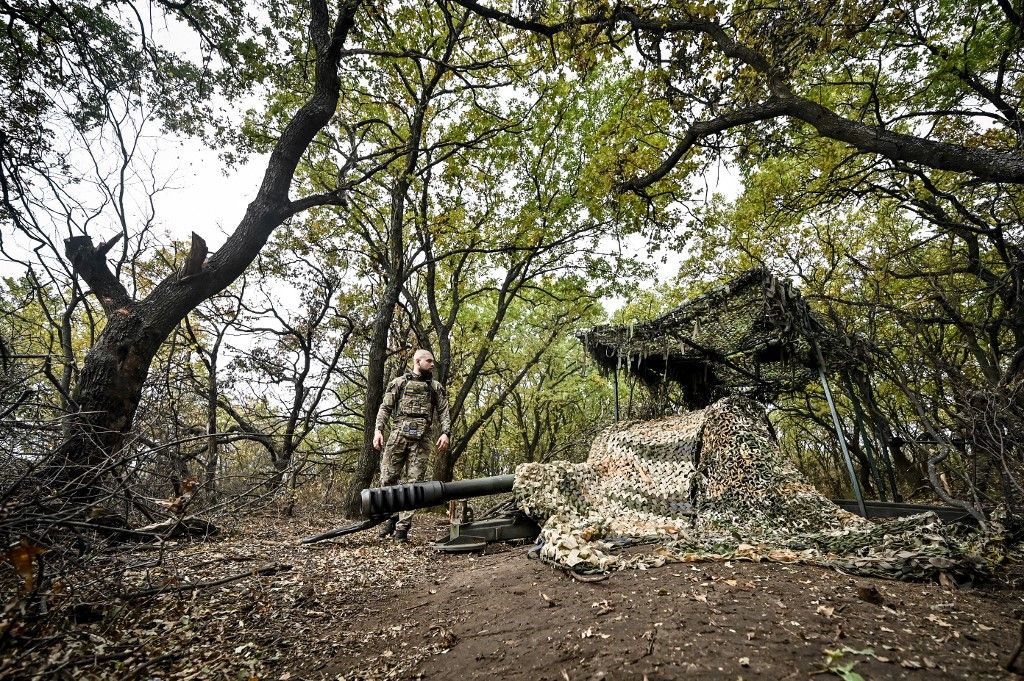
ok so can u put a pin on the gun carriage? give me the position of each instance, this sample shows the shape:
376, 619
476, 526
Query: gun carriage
502, 522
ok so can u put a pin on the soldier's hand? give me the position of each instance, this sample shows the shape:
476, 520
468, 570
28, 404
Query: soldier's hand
378, 439
442, 443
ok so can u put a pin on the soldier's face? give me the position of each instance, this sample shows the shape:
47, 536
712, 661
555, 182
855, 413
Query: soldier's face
424, 364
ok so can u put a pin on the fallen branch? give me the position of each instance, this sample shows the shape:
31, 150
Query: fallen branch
173, 655
264, 571
93, 660
177, 527
342, 531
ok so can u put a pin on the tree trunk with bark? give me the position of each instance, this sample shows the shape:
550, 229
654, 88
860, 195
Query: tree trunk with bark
110, 386
369, 458
395, 275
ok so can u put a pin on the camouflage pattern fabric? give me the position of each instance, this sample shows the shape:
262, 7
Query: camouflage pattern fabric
413, 403
417, 402
753, 335
399, 452
712, 484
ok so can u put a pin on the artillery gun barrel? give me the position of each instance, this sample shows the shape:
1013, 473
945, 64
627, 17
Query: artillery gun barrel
379, 502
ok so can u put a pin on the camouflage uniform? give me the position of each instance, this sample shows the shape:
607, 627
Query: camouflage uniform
411, 441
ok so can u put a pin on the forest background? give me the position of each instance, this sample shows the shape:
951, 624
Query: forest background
462, 176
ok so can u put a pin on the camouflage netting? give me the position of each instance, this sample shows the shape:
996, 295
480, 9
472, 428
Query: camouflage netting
754, 335
712, 484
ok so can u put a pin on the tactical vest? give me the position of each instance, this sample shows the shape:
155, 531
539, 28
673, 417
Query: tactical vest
415, 398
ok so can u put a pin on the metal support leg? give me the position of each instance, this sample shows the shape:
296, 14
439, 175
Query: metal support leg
839, 434
616, 382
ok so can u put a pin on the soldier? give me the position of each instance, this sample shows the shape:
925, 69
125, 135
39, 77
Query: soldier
418, 397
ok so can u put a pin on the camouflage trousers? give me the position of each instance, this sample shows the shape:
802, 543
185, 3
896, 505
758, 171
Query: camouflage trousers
411, 454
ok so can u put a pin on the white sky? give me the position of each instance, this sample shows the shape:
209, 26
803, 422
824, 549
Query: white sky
206, 198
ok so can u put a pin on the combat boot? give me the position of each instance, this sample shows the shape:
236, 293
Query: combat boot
389, 527
401, 535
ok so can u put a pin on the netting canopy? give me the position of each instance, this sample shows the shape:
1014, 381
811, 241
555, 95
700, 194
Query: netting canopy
754, 336
712, 484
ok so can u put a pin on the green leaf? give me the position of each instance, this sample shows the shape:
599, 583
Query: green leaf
846, 673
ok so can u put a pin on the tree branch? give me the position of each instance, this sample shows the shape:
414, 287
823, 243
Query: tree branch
331, 198
264, 570
90, 263
194, 261
770, 109
985, 164
271, 206
1011, 14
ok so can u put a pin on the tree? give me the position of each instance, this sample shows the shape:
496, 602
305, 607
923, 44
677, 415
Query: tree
507, 237
292, 361
499, 210
420, 79
880, 148
108, 390
760, 62
220, 315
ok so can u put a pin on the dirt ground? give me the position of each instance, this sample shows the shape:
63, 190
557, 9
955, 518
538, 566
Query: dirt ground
363, 607
505, 616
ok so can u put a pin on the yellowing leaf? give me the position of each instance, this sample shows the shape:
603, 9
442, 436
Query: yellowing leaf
23, 557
